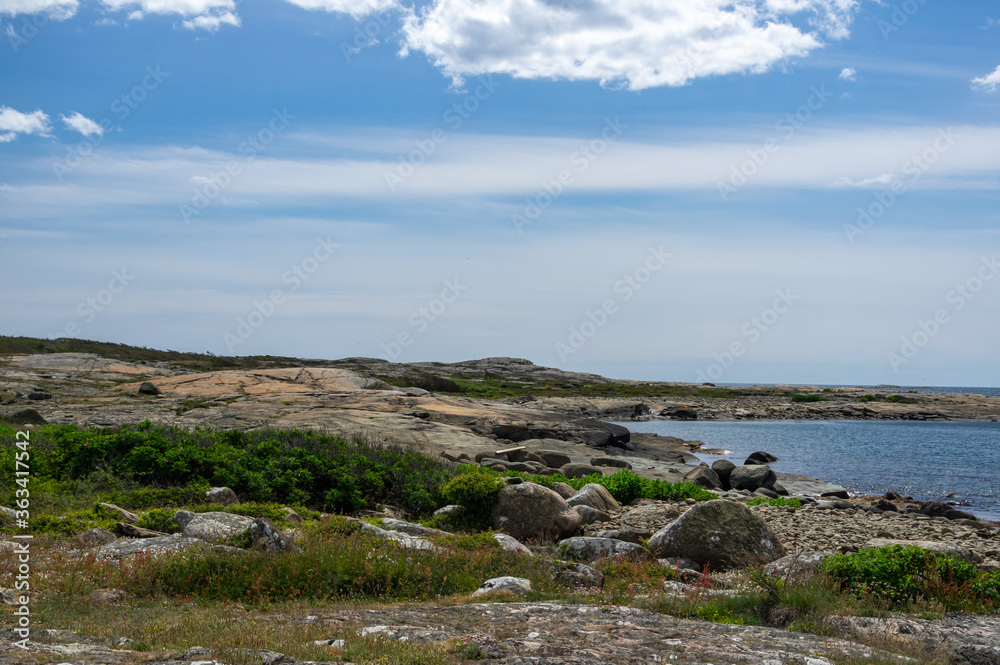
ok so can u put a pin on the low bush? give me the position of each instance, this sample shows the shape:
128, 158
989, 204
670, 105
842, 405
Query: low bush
778, 502
900, 574
809, 398
476, 490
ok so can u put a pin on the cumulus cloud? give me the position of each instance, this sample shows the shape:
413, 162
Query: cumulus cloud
14, 122
987, 83
56, 9
849, 74
204, 14
81, 123
635, 43
356, 8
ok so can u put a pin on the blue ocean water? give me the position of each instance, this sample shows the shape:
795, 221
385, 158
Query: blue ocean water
923, 459
989, 392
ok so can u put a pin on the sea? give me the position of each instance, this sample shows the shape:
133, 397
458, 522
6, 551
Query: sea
989, 392
925, 460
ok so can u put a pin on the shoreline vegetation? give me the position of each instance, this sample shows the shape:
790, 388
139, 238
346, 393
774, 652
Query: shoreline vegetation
184, 509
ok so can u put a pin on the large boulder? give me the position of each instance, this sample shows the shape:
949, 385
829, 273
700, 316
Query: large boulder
760, 457
96, 537
704, 476
265, 536
587, 549
563, 490
531, 512
595, 496
211, 526
722, 534
752, 476
723, 468
222, 496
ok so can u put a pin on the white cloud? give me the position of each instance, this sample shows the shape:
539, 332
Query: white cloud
355, 8
987, 83
14, 122
849, 74
81, 123
205, 14
635, 43
56, 9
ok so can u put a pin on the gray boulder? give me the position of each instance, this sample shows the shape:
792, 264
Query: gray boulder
595, 496
563, 490
578, 470
265, 536
752, 476
575, 574
148, 388
130, 547
722, 534
449, 510
582, 548
211, 526
517, 586
553, 458
510, 544
760, 457
222, 496
531, 512
704, 476
96, 537
403, 539
590, 515
628, 535
723, 468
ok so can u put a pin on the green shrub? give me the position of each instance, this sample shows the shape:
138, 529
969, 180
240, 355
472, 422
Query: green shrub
900, 574
809, 398
871, 398
778, 502
899, 399
626, 487
159, 519
476, 491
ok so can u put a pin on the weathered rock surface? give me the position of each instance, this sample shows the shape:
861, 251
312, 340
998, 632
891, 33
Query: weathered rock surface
265, 536
751, 477
596, 496
590, 515
532, 512
511, 544
722, 534
392, 524
222, 496
704, 476
796, 567
517, 586
587, 549
211, 526
96, 537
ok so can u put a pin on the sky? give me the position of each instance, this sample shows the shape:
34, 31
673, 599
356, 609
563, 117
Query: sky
797, 191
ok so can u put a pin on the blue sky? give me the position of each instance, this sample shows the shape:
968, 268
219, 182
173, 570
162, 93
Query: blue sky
774, 191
